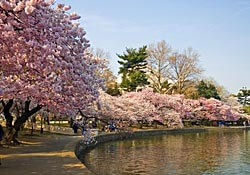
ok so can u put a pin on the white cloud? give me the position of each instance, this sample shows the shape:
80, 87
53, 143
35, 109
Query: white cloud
110, 25
128, 26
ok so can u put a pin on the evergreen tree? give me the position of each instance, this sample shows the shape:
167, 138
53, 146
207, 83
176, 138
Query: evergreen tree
244, 96
133, 63
207, 90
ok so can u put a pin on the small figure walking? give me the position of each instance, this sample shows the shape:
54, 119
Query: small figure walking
75, 127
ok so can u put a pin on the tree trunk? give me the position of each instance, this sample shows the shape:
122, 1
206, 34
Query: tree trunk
13, 132
7, 114
9, 119
10, 136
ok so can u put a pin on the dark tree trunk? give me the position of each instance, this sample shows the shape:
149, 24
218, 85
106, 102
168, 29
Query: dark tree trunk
9, 118
6, 110
13, 132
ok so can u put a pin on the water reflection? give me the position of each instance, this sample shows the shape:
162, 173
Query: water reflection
220, 152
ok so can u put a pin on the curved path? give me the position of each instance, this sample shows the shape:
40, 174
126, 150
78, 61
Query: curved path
51, 154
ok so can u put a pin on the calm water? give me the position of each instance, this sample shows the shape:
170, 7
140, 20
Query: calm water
218, 152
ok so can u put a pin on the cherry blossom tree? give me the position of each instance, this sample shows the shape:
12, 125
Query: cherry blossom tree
209, 109
43, 60
168, 109
141, 106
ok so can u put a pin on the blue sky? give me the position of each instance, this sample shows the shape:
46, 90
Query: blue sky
218, 29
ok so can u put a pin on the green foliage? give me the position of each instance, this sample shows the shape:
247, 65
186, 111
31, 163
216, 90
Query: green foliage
247, 109
207, 90
133, 64
244, 96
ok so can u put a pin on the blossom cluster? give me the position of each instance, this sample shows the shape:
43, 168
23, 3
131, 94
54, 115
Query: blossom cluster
169, 109
43, 56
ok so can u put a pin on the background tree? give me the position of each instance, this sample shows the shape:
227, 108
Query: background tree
149, 106
133, 65
184, 69
43, 61
244, 96
158, 65
221, 90
191, 92
104, 71
207, 90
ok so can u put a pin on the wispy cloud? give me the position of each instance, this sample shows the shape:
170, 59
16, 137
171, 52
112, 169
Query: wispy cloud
128, 26
111, 25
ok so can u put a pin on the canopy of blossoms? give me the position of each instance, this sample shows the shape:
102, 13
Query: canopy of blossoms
210, 109
43, 56
169, 109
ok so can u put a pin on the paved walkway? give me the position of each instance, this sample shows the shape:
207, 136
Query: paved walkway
50, 155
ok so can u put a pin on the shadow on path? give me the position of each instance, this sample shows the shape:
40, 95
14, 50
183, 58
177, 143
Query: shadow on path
51, 155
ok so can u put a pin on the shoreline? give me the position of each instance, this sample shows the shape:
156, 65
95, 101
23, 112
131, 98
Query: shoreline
82, 149
60, 154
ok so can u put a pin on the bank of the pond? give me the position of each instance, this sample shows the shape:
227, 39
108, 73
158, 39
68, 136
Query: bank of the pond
81, 149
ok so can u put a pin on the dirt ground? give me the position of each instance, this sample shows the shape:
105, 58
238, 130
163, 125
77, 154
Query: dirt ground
48, 154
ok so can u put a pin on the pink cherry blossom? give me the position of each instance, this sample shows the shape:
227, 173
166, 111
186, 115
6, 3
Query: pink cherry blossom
43, 56
169, 109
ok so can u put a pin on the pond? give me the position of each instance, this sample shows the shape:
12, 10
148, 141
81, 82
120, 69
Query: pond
213, 152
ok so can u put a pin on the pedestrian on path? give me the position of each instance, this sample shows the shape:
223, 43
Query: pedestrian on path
75, 127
